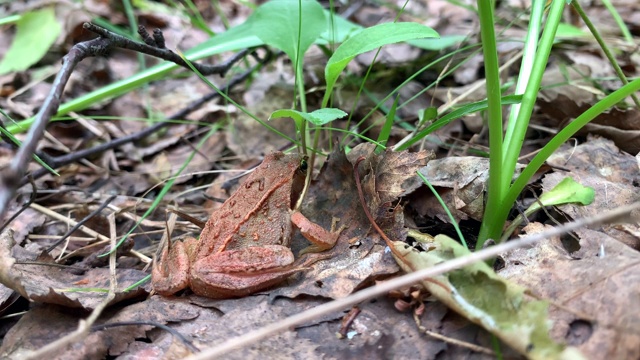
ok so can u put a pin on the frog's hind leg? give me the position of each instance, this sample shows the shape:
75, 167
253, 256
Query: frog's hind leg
240, 272
170, 272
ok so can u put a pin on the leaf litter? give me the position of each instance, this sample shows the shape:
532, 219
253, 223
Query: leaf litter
588, 278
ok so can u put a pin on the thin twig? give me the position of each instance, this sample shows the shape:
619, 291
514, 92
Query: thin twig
81, 222
71, 222
81, 154
12, 177
159, 51
255, 336
166, 328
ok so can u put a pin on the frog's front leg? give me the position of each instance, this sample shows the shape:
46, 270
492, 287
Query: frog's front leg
320, 238
235, 273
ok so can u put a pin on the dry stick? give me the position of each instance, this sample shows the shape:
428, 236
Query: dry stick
69, 221
32, 198
159, 51
405, 280
459, 343
80, 223
164, 327
84, 326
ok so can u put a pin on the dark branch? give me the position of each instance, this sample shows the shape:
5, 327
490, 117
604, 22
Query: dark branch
155, 47
56, 162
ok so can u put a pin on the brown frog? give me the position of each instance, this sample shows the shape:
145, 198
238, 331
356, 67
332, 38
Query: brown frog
244, 246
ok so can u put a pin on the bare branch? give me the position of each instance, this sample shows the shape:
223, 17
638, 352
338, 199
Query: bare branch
11, 176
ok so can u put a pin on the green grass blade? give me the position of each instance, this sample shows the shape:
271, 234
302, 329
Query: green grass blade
367, 40
385, 132
456, 114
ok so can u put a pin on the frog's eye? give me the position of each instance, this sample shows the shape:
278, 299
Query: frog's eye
303, 165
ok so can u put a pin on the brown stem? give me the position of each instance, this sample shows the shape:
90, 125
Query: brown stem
12, 175
155, 47
356, 174
56, 162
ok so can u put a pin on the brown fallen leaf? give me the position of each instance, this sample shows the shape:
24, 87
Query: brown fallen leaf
360, 256
220, 320
597, 287
40, 282
31, 332
566, 102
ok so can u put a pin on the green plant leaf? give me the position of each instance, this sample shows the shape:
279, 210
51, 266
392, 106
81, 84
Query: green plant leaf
338, 29
370, 39
569, 32
36, 32
427, 115
318, 117
567, 191
277, 23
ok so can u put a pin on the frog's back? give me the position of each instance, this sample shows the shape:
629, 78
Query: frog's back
258, 212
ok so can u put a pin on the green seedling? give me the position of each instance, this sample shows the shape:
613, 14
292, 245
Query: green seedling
566, 192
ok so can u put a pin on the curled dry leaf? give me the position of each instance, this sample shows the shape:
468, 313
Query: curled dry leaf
388, 176
463, 181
